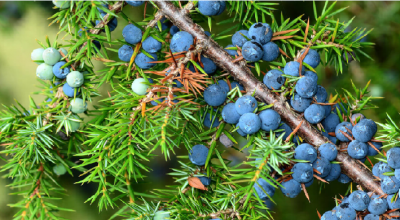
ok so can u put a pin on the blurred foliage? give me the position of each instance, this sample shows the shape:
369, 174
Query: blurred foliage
22, 22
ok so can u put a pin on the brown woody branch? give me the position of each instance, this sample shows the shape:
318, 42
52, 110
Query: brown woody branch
351, 167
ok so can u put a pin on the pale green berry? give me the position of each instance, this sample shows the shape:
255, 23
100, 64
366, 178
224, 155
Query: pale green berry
74, 124
37, 54
161, 215
64, 51
75, 79
59, 169
139, 87
44, 71
51, 56
61, 4
78, 106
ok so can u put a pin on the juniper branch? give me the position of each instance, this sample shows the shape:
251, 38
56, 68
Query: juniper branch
241, 73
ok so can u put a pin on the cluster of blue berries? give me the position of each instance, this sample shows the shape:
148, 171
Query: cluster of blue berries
50, 65
255, 43
358, 201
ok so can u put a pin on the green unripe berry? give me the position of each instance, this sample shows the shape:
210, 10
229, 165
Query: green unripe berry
78, 106
51, 56
74, 124
64, 51
75, 79
59, 169
139, 87
61, 4
161, 215
44, 71
37, 54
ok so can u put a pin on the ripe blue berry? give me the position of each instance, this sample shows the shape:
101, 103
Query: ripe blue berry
112, 24
287, 131
174, 29
334, 173
125, 53
311, 75
364, 130
305, 152
238, 39
61, 73
378, 205
331, 138
342, 127
151, 45
37, 54
240, 131
44, 71
302, 172
208, 65
291, 188
390, 184
260, 32
77, 106
252, 51
359, 200
69, 91
236, 84
224, 85
329, 215
229, 114
312, 58
154, 103
51, 56
309, 183
132, 34
264, 189
330, 122
75, 79
292, 68
205, 180
270, 120
135, 3
198, 155
143, 61
274, 79
395, 204
222, 7
249, 123
380, 168
323, 166
209, 8
328, 151
181, 41
208, 120
343, 178
357, 149
339, 106
299, 104
306, 87
314, 113
246, 104
321, 94
371, 217
214, 95
393, 157
345, 212
271, 51
231, 52
327, 109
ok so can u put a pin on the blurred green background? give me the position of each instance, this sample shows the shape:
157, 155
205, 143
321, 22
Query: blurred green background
23, 22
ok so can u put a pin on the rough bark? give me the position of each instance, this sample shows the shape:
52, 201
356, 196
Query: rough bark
351, 167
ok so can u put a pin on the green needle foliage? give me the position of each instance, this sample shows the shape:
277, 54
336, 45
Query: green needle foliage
122, 132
